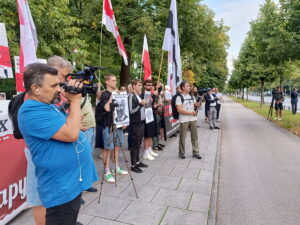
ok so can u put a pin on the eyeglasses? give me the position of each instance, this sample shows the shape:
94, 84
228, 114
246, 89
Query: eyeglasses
149, 84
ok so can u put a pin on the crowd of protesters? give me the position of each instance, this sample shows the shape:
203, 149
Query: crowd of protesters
67, 128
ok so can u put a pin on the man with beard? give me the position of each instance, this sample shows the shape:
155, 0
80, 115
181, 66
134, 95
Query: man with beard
60, 153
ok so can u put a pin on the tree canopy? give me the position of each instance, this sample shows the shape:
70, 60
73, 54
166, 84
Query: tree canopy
72, 29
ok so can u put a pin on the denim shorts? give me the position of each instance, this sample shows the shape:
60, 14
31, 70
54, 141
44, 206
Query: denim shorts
109, 140
32, 194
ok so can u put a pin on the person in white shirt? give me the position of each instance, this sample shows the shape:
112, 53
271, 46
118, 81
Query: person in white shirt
185, 105
211, 99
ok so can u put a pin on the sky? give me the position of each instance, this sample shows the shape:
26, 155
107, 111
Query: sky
236, 14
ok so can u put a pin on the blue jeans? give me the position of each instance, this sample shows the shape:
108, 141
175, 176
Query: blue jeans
90, 136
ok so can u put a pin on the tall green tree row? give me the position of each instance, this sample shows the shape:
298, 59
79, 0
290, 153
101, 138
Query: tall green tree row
271, 48
72, 29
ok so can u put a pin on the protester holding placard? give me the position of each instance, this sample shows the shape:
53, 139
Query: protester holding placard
150, 122
136, 127
105, 121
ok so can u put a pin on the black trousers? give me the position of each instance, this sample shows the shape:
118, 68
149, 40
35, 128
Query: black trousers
65, 214
137, 134
294, 107
218, 107
206, 109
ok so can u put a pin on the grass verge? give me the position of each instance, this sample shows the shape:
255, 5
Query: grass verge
289, 121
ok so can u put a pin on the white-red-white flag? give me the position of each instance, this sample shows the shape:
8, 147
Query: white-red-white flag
171, 44
109, 20
146, 61
28, 38
28, 41
5, 62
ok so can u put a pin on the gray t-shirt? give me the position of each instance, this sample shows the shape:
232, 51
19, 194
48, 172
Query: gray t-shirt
188, 105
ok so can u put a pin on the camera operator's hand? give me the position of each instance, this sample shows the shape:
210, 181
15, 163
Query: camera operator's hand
73, 97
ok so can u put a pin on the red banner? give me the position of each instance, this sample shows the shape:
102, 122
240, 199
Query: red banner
13, 169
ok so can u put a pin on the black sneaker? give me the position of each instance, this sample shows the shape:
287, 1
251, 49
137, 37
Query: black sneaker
142, 165
211, 128
82, 202
159, 148
182, 156
92, 189
136, 169
197, 156
218, 128
161, 145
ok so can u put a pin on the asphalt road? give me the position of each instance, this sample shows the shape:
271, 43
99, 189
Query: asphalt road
259, 181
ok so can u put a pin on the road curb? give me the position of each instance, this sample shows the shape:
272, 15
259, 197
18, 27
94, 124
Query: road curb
212, 213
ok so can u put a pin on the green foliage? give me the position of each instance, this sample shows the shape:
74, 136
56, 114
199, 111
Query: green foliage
66, 25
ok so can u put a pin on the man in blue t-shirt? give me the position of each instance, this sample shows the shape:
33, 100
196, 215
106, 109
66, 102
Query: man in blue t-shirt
60, 152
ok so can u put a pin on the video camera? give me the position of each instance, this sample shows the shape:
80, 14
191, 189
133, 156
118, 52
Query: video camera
274, 93
87, 77
202, 91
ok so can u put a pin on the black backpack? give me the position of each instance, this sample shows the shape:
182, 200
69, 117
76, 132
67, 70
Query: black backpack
13, 109
173, 104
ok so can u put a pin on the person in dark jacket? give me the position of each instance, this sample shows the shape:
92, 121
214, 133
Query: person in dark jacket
136, 127
294, 100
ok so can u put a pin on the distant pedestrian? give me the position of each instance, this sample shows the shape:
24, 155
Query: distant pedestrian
294, 100
279, 99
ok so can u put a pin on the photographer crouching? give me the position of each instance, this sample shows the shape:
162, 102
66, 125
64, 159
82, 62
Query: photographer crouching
60, 151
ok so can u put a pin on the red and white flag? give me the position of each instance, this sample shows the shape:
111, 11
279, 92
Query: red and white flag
109, 20
5, 62
146, 61
28, 38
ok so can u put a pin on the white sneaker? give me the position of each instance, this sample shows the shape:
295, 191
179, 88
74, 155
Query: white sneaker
148, 156
153, 153
279, 119
275, 118
109, 178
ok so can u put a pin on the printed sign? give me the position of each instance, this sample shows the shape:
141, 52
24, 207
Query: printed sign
121, 112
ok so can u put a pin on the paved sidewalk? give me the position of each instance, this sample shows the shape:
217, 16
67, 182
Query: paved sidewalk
171, 191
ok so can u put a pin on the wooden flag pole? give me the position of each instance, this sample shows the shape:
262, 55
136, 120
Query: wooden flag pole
160, 67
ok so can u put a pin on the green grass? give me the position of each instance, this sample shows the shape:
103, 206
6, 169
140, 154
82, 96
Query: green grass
289, 121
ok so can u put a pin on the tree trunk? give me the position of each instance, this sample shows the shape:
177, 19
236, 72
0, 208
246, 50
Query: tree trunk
247, 93
243, 94
281, 81
262, 85
125, 70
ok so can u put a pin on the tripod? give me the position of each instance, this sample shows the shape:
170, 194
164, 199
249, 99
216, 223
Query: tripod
270, 114
115, 134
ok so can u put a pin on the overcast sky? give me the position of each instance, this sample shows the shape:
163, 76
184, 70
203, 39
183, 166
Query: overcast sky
236, 14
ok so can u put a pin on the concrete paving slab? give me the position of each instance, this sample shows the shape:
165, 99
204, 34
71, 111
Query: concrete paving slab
165, 181
174, 198
109, 207
192, 185
176, 216
199, 203
192, 173
101, 221
141, 213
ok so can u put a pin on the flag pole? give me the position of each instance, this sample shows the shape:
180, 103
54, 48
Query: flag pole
100, 59
160, 67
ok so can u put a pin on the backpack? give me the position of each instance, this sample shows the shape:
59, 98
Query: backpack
13, 109
173, 104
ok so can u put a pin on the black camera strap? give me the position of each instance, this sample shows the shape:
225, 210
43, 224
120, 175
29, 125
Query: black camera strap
84, 101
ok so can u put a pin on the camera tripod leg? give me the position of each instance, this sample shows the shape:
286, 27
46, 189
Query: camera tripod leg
128, 168
115, 159
126, 162
101, 187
